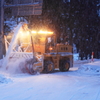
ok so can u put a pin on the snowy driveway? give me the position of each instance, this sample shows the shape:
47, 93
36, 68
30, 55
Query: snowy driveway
70, 85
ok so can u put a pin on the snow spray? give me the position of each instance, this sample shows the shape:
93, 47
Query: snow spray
12, 43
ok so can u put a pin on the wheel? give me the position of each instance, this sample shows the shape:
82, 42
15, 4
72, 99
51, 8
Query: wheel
29, 66
48, 66
61, 65
33, 72
64, 65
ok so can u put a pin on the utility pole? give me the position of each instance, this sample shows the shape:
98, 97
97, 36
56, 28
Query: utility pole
1, 29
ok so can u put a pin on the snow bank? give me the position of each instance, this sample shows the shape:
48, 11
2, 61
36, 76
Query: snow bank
16, 66
13, 67
4, 79
76, 56
90, 68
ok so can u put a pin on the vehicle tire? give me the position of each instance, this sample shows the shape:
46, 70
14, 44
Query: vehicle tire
61, 65
29, 67
48, 66
64, 65
32, 72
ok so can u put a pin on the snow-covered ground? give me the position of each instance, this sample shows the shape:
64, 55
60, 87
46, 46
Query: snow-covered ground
82, 82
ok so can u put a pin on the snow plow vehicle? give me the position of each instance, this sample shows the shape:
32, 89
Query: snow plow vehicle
55, 55
41, 50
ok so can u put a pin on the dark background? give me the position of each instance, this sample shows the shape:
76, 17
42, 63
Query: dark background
78, 20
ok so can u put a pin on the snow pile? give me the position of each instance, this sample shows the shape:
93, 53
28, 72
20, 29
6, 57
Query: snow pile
90, 68
16, 66
13, 67
76, 56
4, 79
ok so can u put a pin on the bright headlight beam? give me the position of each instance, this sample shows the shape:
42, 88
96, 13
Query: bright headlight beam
33, 32
45, 32
42, 32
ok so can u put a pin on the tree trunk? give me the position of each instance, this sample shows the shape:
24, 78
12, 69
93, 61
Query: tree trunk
2, 47
2, 50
